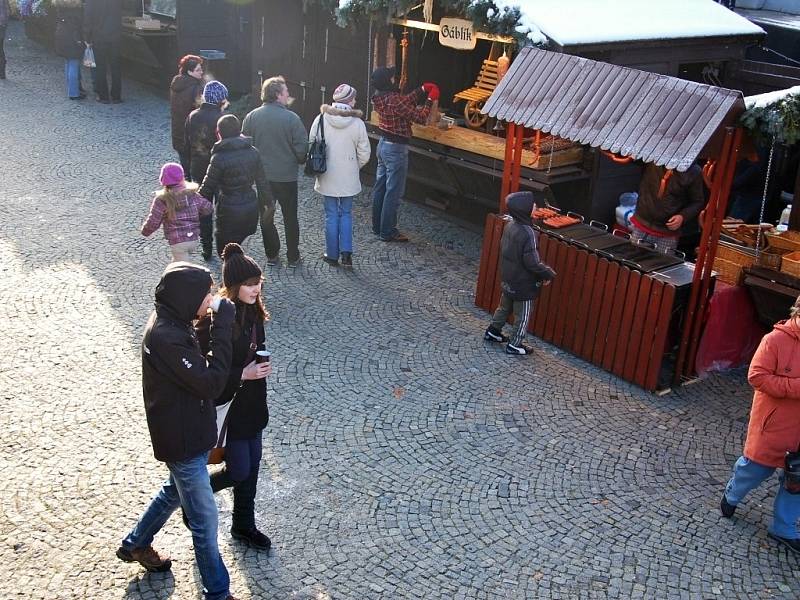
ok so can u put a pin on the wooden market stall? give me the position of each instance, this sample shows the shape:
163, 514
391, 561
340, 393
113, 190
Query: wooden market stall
640, 319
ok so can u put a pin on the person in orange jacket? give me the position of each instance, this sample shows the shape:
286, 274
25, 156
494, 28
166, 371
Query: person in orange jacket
774, 428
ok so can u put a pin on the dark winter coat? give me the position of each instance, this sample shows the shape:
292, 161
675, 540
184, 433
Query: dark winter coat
682, 196
248, 414
233, 169
201, 135
521, 271
102, 21
68, 39
179, 382
184, 92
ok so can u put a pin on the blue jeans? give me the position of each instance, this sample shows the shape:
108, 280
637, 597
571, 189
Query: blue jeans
338, 225
748, 475
242, 461
188, 485
72, 71
390, 185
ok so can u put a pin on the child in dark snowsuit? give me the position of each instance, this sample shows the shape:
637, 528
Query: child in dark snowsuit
521, 272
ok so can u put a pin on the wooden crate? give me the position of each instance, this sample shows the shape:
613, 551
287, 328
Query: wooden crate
791, 263
789, 240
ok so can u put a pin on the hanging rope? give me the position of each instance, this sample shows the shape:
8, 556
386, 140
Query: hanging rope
552, 149
764, 198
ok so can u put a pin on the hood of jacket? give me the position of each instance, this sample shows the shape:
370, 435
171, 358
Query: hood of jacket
232, 143
182, 289
183, 82
339, 117
520, 205
790, 327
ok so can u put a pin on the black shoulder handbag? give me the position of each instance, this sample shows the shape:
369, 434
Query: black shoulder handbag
791, 472
316, 159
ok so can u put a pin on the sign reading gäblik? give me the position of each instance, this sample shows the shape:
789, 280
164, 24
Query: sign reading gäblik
457, 33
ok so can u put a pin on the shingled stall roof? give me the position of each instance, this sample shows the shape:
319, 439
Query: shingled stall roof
655, 118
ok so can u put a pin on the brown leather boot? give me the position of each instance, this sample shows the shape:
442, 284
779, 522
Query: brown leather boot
148, 557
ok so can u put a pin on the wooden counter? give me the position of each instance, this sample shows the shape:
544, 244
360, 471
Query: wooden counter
491, 146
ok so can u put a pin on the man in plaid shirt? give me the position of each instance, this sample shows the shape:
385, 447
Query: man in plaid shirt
396, 113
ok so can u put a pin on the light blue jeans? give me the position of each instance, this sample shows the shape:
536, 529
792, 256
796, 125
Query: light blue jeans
188, 485
390, 185
338, 225
72, 70
747, 476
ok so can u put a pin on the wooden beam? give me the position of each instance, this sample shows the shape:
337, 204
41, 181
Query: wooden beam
481, 35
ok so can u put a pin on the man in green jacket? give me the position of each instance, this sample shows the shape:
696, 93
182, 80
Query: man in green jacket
281, 138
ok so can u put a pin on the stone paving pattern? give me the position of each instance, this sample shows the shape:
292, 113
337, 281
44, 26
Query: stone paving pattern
405, 458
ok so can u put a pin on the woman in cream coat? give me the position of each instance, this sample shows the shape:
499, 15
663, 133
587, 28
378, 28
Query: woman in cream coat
348, 151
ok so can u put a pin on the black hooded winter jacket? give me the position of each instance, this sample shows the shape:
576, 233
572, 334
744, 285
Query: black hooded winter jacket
234, 167
521, 271
179, 383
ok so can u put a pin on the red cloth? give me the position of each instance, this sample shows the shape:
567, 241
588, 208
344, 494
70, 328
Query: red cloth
732, 332
775, 417
396, 111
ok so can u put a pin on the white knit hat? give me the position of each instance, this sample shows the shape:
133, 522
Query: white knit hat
344, 93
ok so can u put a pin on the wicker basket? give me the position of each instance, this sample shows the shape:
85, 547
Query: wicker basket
729, 272
791, 264
738, 255
771, 258
789, 240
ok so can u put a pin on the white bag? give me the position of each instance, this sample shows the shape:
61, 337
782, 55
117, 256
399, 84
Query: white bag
88, 58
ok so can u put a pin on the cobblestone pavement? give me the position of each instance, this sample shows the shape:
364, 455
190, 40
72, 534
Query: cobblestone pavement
406, 458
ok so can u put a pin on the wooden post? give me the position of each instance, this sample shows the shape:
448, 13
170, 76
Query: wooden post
794, 218
701, 281
518, 142
507, 164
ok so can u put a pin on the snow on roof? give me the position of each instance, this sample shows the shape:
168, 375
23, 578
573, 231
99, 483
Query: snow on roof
576, 22
762, 100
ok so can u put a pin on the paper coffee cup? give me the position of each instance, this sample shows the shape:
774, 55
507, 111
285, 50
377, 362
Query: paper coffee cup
263, 356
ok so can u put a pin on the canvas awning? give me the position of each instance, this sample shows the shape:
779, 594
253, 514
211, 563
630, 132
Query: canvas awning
654, 118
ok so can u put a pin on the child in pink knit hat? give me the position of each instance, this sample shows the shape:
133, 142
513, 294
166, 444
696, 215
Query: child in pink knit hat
178, 207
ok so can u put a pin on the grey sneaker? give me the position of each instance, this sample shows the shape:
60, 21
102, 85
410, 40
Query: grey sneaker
294, 263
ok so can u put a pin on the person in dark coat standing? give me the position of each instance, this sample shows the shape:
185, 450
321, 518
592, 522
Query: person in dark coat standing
248, 414
5, 15
233, 169
774, 429
521, 273
667, 201
185, 94
179, 384
201, 135
69, 43
102, 28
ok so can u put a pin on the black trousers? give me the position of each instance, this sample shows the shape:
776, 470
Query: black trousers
242, 462
185, 158
2, 52
106, 55
285, 192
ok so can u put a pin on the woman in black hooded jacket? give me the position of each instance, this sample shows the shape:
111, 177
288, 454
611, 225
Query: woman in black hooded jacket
248, 414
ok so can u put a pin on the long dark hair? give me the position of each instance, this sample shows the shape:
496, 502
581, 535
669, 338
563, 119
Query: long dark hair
245, 312
189, 63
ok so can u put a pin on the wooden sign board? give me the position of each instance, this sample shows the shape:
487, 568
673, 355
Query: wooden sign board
457, 33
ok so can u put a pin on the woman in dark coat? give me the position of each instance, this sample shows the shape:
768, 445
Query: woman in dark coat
247, 386
185, 94
69, 43
234, 168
